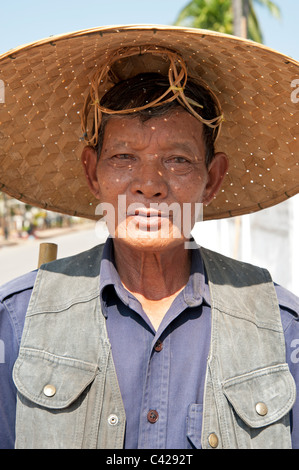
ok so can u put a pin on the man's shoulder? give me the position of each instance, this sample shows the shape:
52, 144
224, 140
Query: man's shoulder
82, 263
18, 285
26, 282
14, 299
288, 303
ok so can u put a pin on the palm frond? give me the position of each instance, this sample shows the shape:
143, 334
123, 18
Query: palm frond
254, 29
274, 9
183, 14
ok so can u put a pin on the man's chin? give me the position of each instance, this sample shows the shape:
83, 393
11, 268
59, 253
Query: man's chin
148, 240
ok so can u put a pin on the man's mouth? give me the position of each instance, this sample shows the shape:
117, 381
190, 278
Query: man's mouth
143, 212
147, 218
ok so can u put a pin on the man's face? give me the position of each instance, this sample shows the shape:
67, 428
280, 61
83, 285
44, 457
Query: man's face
154, 175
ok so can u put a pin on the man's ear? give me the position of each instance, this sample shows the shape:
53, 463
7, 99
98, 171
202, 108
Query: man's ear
216, 173
89, 160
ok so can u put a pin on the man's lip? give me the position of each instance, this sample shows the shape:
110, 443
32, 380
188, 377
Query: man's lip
147, 213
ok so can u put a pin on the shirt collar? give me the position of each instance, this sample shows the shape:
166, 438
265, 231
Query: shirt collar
197, 288
109, 274
195, 292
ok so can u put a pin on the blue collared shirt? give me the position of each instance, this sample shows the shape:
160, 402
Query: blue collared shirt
161, 373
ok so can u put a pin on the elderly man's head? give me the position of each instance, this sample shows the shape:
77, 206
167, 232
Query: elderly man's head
160, 159
146, 88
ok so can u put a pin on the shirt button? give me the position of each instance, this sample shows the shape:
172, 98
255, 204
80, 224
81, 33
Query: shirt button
261, 409
158, 346
213, 440
49, 390
153, 416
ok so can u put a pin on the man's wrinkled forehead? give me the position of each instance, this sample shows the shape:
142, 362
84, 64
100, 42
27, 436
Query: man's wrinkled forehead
177, 130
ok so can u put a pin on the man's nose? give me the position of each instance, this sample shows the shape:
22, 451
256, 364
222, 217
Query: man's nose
150, 181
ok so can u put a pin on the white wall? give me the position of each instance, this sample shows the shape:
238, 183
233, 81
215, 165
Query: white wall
268, 238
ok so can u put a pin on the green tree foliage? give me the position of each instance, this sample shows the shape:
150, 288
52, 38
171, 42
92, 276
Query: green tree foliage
217, 15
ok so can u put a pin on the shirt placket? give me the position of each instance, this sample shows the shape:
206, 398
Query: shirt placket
154, 411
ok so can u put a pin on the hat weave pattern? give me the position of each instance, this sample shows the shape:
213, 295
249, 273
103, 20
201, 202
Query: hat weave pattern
47, 82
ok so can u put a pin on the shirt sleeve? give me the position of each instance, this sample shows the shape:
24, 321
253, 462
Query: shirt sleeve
289, 309
14, 300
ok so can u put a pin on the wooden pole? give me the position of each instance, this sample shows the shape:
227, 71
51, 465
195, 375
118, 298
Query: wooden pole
47, 253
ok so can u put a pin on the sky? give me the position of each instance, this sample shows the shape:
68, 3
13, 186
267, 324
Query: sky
25, 21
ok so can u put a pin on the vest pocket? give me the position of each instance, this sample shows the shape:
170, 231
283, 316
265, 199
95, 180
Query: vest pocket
261, 397
49, 380
53, 390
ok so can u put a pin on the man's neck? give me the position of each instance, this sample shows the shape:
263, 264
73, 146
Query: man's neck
154, 278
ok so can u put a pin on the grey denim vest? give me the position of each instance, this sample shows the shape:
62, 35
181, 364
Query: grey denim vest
68, 393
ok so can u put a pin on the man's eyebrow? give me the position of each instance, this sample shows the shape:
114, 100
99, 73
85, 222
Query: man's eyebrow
169, 145
123, 143
190, 148
179, 145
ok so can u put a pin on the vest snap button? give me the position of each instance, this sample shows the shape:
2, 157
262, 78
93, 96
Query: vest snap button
49, 390
261, 409
213, 440
112, 420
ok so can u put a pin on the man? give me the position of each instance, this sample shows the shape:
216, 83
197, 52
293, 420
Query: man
149, 341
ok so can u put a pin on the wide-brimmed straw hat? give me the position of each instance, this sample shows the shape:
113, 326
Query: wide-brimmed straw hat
47, 82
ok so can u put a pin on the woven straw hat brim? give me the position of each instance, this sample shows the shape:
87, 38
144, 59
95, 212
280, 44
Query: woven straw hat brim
46, 82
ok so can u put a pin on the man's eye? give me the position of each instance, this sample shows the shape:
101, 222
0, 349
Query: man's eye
179, 165
178, 159
123, 156
122, 160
